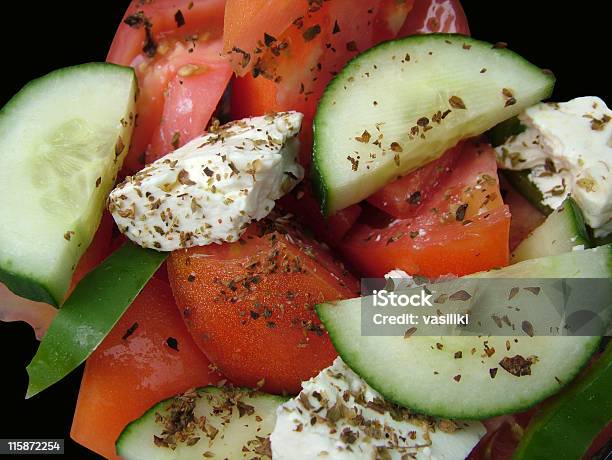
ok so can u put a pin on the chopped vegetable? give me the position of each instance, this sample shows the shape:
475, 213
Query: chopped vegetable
137, 350
442, 235
63, 140
91, 311
250, 305
208, 422
566, 427
411, 118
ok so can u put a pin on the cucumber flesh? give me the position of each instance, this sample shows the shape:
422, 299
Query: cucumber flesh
387, 112
63, 138
237, 424
421, 372
562, 231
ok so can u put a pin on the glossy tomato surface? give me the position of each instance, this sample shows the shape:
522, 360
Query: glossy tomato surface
249, 305
461, 228
175, 48
148, 356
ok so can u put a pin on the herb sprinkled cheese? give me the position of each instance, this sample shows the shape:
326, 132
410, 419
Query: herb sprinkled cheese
212, 188
568, 147
338, 415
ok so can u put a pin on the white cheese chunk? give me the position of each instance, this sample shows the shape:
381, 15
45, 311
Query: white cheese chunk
212, 188
397, 279
339, 416
568, 147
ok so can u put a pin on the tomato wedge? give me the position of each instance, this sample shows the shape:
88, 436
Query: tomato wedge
249, 304
462, 228
525, 216
175, 48
304, 45
303, 205
407, 196
148, 356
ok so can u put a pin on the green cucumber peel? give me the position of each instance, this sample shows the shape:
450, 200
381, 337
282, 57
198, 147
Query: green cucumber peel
91, 311
503, 131
567, 426
521, 182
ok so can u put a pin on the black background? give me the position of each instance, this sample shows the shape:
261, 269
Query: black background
571, 39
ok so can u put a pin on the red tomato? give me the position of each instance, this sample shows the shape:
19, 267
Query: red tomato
147, 357
406, 196
174, 45
600, 442
502, 438
462, 228
249, 304
305, 45
98, 250
525, 217
303, 205
429, 16
186, 86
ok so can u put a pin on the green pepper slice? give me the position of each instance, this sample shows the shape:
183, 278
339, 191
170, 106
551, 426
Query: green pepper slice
91, 311
568, 425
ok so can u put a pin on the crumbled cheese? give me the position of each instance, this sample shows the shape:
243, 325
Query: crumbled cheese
339, 416
212, 188
568, 147
398, 279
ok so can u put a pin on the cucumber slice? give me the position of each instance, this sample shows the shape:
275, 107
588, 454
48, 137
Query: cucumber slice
421, 372
403, 103
63, 138
562, 231
567, 427
226, 423
521, 182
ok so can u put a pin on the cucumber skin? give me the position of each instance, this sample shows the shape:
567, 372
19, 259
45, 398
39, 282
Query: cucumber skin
581, 225
579, 233
322, 191
347, 358
158, 407
25, 284
520, 181
500, 133
585, 408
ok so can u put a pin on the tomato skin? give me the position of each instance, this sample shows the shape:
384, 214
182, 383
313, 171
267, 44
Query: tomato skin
460, 252
188, 101
129, 41
437, 241
98, 250
169, 103
255, 322
303, 205
430, 16
525, 217
295, 77
406, 196
502, 437
125, 376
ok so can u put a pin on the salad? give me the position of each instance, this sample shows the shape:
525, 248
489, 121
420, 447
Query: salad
194, 218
